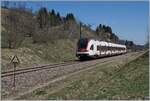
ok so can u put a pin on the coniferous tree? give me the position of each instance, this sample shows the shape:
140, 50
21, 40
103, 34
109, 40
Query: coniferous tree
53, 12
42, 17
97, 31
70, 16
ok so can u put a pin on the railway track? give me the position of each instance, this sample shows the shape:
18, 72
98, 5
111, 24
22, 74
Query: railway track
37, 68
32, 69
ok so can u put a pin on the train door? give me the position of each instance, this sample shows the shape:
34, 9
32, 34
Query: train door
102, 50
98, 50
92, 50
95, 49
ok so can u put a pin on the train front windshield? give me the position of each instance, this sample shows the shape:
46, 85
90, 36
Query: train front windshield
82, 43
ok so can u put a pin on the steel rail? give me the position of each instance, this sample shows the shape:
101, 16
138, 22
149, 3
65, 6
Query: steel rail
26, 70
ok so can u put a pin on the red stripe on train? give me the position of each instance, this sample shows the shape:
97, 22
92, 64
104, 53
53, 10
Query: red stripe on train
82, 50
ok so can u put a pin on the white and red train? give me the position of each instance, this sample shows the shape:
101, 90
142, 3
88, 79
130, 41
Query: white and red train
92, 48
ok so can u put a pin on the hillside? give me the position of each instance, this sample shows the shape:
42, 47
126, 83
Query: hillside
43, 37
39, 53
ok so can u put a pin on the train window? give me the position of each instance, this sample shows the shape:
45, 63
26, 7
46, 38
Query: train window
82, 43
107, 48
98, 48
102, 48
110, 48
92, 47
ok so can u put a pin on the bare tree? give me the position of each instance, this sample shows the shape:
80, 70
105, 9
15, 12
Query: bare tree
14, 33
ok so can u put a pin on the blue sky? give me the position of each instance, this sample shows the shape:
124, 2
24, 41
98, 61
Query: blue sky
128, 20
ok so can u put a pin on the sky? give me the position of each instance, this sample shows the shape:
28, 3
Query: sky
128, 19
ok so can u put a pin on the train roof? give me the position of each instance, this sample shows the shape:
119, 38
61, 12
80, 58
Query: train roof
92, 38
104, 43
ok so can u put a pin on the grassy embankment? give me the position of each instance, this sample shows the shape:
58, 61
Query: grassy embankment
130, 81
38, 54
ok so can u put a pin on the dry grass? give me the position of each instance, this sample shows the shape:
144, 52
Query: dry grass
111, 81
38, 54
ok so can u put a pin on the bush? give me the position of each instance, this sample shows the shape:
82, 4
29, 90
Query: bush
11, 39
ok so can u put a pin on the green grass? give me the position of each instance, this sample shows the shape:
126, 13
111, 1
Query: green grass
128, 82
